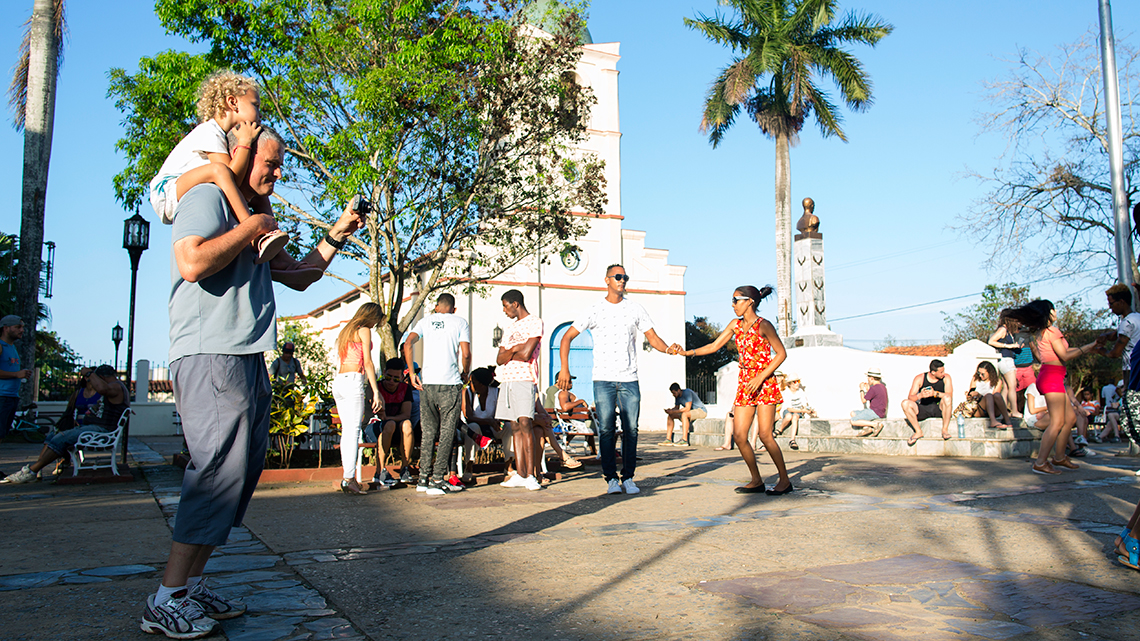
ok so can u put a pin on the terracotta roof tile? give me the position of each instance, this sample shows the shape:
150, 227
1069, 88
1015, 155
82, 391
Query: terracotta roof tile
917, 350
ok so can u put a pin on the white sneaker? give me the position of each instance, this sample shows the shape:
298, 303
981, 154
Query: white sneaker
531, 483
629, 487
25, 475
176, 618
614, 487
514, 480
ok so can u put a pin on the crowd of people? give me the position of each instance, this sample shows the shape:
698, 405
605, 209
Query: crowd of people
227, 251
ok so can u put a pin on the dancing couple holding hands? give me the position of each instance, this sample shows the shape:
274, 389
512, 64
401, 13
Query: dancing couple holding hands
761, 353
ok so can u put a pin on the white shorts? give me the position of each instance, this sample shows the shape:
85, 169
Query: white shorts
516, 400
1005, 365
164, 198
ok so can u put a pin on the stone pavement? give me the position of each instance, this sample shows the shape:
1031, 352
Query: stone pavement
866, 548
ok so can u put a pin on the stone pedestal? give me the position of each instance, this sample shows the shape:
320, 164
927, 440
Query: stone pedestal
811, 304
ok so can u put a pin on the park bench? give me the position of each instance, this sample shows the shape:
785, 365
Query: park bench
98, 442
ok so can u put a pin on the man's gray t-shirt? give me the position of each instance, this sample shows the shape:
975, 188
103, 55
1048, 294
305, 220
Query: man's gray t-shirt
689, 396
231, 312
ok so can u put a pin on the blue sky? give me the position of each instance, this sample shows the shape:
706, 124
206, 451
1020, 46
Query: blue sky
885, 198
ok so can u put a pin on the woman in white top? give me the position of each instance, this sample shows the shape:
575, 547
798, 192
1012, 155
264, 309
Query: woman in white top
354, 346
480, 427
986, 389
795, 405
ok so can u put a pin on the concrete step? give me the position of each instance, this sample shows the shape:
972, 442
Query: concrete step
819, 435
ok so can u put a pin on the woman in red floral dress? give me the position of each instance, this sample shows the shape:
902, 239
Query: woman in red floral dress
757, 392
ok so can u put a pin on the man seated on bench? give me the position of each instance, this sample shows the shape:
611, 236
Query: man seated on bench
577, 411
115, 402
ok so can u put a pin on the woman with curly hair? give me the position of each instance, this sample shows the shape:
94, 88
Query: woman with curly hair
1052, 350
354, 347
757, 393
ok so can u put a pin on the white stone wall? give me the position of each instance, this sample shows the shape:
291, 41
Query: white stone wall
831, 376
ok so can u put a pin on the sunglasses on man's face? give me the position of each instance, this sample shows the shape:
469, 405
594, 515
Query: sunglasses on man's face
620, 277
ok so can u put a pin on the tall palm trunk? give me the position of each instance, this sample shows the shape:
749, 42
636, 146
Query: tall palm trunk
783, 236
38, 116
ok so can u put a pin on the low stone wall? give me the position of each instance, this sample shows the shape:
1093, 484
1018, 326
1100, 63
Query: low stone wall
818, 435
150, 419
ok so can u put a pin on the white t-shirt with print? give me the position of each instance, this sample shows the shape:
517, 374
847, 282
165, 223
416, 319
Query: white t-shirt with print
797, 399
1129, 327
518, 332
191, 152
441, 335
615, 328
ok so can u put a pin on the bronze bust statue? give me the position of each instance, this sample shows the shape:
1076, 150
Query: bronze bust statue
808, 224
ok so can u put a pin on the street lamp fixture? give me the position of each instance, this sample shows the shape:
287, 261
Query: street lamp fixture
136, 239
496, 336
116, 338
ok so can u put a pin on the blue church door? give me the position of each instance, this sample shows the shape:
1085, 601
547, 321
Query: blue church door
581, 361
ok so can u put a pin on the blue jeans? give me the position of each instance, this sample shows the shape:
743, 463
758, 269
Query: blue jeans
609, 399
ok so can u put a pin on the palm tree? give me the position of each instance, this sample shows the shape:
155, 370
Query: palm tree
783, 47
32, 98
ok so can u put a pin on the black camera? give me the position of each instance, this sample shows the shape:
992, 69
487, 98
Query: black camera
362, 205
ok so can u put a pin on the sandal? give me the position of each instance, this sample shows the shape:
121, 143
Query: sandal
720, 449
878, 428
1133, 558
792, 444
571, 463
913, 439
867, 431
268, 245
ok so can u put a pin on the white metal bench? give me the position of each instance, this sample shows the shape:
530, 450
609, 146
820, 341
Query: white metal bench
111, 442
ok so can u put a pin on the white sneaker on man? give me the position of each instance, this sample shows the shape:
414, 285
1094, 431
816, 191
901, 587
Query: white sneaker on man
614, 487
176, 618
25, 475
514, 480
531, 483
628, 486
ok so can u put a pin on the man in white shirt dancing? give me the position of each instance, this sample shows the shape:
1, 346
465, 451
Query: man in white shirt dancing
615, 323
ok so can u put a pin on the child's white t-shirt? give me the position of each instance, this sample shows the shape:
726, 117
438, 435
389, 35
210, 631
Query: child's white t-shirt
797, 399
191, 152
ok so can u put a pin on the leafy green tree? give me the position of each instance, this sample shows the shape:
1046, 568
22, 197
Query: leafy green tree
1079, 324
701, 332
32, 99
979, 321
58, 364
55, 358
782, 48
313, 355
458, 120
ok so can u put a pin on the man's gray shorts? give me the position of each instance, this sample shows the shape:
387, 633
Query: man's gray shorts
224, 403
516, 400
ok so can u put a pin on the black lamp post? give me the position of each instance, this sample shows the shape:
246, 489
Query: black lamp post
496, 336
116, 338
136, 239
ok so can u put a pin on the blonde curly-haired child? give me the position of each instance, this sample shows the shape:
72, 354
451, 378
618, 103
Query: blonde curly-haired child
226, 101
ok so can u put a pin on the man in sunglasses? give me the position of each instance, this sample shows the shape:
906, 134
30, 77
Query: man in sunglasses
614, 323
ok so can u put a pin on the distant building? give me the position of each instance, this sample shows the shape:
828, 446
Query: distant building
567, 284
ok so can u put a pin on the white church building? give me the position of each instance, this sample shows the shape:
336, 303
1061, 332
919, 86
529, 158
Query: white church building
565, 285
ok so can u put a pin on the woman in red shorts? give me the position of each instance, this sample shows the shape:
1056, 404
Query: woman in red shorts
757, 393
1051, 348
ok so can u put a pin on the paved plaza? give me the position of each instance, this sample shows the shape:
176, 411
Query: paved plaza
868, 547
